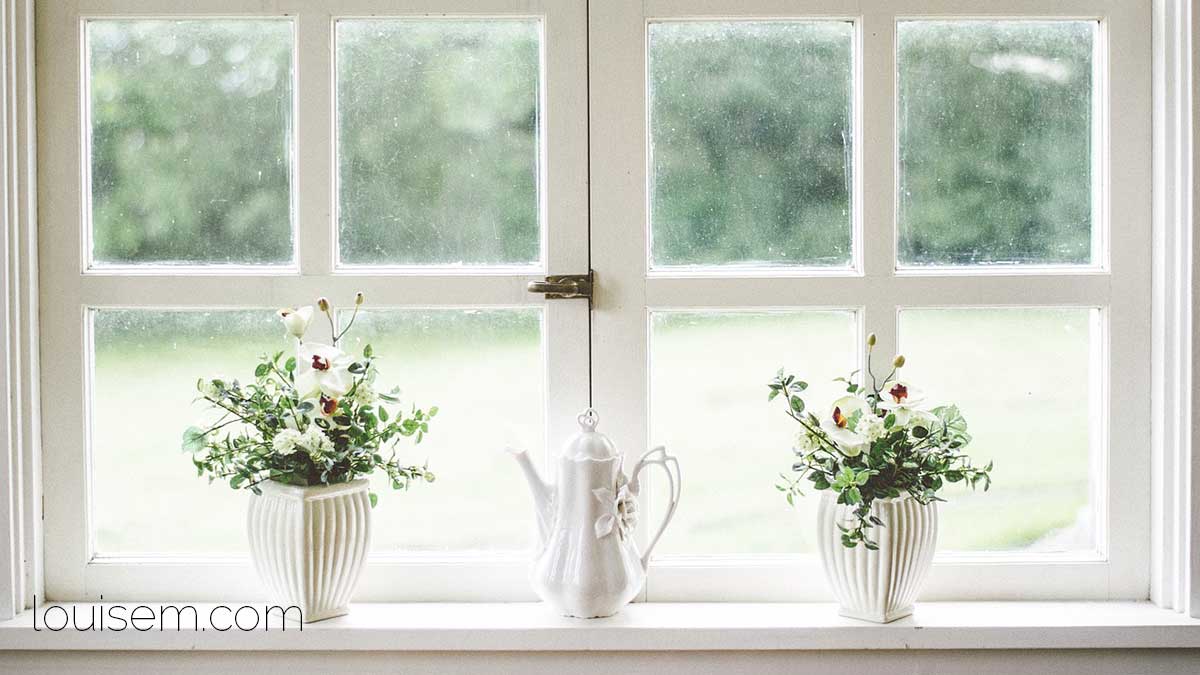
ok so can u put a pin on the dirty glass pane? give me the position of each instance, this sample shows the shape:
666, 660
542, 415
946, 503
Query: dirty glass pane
750, 143
731, 442
995, 123
1026, 381
146, 497
483, 368
438, 141
190, 136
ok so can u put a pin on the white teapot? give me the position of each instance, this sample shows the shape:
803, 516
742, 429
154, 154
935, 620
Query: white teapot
587, 563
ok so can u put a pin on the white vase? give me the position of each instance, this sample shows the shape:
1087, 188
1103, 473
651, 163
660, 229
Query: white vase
881, 585
309, 544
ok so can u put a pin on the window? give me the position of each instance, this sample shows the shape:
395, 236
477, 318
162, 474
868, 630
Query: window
969, 181
755, 184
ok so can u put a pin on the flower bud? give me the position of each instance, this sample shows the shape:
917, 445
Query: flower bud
358, 298
323, 304
871, 340
898, 362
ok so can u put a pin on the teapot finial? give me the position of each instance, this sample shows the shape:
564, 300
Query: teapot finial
589, 419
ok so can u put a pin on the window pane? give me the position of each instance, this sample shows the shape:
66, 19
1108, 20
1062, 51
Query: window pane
995, 124
483, 369
438, 132
733, 444
1026, 382
146, 497
190, 141
750, 143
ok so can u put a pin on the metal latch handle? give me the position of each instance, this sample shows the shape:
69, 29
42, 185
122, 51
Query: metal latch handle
563, 286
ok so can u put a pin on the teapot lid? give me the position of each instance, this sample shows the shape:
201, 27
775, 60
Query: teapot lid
589, 443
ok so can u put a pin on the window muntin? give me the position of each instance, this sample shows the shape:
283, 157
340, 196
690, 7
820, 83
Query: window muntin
1018, 189
751, 143
439, 125
189, 130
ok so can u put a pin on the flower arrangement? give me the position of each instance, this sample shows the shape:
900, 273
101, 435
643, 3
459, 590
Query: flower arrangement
876, 442
314, 418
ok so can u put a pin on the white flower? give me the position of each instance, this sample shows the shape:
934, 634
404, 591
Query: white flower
805, 443
849, 442
900, 399
899, 394
364, 394
321, 369
838, 428
296, 320
872, 427
922, 418
316, 443
286, 442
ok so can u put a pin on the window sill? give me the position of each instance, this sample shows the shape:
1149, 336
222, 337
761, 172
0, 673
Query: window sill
655, 627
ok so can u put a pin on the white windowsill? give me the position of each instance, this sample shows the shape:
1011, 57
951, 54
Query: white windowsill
657, 627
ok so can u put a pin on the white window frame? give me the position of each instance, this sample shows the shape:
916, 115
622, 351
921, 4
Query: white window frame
1175, 520
876, 288
74, 570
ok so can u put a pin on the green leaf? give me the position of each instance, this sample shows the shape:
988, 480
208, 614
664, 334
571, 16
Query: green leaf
368, 352
262, 369
193, 439
290, 364
374, 498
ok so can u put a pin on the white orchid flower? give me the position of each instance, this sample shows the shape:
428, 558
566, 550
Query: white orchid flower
322, 370
901, 399
296, 320
837, 425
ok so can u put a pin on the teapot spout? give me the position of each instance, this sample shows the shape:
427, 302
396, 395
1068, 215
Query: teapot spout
543, 493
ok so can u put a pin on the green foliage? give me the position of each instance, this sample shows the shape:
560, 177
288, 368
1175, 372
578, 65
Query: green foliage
875, 445
275, 428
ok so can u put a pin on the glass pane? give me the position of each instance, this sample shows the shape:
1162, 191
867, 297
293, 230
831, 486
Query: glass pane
733, 444
438, 128
483, 369
995, 124
146, 497
1026, 383
750, 143
190, 141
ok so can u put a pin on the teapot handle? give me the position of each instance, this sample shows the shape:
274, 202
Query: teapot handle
670, 465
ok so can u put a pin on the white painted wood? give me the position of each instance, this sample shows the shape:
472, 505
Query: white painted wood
876, 290
73, 571
642, 627
1191, 502
1175, 544
20, 543
776, 662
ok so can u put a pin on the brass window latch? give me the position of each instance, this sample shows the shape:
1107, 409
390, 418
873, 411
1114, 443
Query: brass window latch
564, 286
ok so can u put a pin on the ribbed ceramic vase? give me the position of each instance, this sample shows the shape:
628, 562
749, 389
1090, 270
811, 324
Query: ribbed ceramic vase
882, 585
309, 544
